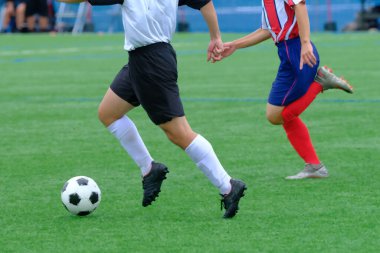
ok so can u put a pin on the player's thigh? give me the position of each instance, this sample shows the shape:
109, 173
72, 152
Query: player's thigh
21, 8
153, 70
112, 108
273, 114
179, 131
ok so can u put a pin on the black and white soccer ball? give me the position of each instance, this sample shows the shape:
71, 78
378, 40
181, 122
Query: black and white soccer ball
80, 195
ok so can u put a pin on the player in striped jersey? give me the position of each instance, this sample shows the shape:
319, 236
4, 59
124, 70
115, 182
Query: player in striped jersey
298, 80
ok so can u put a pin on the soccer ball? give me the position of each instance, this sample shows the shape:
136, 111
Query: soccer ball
80, 195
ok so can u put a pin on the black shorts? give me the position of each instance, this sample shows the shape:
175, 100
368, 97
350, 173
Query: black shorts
150, 79
39, 7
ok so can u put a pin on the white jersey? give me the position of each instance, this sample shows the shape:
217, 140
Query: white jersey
148, 21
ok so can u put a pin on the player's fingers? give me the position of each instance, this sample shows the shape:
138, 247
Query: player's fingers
313, 59
218, 50
209, 55
217, 57
301, 63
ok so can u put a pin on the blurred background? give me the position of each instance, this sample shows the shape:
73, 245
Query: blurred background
234, 16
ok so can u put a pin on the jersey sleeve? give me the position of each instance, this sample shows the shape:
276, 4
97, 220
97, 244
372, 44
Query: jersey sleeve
264, 24
294, 2
195, 4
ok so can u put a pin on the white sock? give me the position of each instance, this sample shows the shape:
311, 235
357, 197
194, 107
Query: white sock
126, 132
202, 153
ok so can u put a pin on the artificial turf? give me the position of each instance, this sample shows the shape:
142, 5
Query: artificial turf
50, 88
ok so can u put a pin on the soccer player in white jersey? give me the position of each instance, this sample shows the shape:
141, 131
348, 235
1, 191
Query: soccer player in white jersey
150, 80
298, 80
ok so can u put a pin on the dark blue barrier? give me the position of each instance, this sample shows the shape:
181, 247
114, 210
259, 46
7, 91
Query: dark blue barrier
240, 15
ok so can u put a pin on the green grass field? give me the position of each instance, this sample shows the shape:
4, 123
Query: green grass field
49, 132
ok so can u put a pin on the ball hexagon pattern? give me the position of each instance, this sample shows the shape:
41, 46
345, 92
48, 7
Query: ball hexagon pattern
80, 195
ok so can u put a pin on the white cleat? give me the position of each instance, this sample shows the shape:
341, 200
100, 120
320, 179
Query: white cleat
311, 171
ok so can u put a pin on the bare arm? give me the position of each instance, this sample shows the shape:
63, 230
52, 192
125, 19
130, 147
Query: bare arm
252, 39
249, 40
216, 45
307, 55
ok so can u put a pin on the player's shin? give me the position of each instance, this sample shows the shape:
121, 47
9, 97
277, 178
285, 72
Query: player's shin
126, 132
203, 155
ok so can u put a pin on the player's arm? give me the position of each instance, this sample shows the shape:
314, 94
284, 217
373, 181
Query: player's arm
249, 40
94, 2
252, 39
215, 47
307, 55
207, 9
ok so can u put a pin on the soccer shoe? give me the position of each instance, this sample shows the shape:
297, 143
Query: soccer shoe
311, 171
152, 182
230, 201
329, 80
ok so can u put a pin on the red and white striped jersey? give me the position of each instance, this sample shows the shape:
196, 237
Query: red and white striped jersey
279, 18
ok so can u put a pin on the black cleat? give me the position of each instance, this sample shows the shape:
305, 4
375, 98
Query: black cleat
152, 182
230, 201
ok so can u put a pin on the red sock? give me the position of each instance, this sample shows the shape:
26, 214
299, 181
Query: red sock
295, 109
296, 130
299, 137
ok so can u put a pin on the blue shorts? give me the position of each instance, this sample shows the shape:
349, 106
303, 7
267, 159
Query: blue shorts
291, 83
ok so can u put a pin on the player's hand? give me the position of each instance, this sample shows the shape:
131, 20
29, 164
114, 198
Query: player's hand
215, 48
229, 48
307, 55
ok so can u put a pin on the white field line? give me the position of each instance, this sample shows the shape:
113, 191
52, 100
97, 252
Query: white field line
71, 50
27, 52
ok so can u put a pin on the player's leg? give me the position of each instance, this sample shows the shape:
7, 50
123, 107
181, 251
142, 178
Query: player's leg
158, 93
296, 131
43, 20
203, 155
156, 86
112, 113
200, 151
43, 23
299, 137
30, 22
292, 92
8, 14
20, 16
30, 15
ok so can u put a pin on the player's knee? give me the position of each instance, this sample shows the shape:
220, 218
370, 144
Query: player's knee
104, 117
101, 116
274, 119
179, 138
